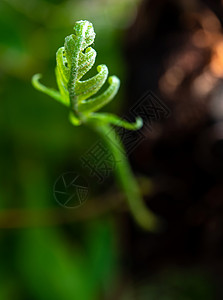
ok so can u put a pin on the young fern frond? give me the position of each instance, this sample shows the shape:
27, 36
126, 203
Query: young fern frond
74, 60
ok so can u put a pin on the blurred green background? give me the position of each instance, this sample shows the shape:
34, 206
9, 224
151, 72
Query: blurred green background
48, 252
77, 261
60, 261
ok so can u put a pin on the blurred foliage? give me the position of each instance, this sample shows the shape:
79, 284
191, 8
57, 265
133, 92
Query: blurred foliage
76, 261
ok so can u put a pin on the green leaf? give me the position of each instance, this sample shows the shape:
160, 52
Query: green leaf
115, 120
94, 104
49, 91
89, 87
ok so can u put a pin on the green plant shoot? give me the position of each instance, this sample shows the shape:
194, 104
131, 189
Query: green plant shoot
74, 60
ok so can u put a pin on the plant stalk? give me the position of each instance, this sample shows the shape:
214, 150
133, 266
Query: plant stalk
143, 216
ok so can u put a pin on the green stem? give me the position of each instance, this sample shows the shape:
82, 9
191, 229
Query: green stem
126, 179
